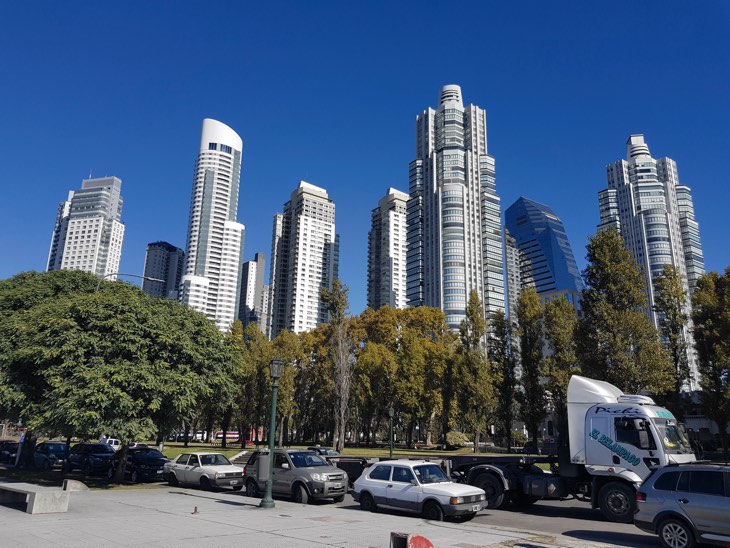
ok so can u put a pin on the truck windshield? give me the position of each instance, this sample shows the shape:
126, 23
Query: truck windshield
673, 439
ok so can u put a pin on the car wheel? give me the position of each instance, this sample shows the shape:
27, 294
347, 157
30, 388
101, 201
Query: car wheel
617, 502
172, 480
134, 476
205, 484
339, 499
300, 494
367, 503
433, 511
252, 489
674, 533
494, 490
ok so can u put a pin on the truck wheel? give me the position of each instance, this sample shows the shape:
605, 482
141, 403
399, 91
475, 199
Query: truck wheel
617, 502
367, 503
252, 489
300, 494
494, 489
674, 533
433, 511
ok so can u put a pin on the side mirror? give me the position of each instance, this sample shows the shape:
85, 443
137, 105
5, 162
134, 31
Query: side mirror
285, 465
414, 482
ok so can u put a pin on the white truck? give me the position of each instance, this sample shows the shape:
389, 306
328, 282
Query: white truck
615, 441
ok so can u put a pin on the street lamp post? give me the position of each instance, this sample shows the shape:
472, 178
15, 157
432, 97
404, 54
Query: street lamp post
98, 285
275, 367
390, 420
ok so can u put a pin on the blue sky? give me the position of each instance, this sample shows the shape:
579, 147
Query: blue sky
328, 92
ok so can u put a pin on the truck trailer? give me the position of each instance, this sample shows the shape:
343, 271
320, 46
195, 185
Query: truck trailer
615, 441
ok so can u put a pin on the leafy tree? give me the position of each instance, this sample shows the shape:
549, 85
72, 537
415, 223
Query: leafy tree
532, 394
502, 360
288, 347
342, 353
711, 316
616, 340
254, 397
670, 303
561, 322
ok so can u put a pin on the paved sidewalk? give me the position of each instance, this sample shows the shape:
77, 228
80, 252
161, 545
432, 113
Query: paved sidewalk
164, 518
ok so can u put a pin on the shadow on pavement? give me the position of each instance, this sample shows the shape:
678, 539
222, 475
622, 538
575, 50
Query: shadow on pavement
619, 539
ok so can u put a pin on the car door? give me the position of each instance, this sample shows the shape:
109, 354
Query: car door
400, 491
701, 495
192, 470
178, 467
281, 476
378, 481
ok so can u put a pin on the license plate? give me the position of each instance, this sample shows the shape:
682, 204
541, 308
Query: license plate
234, 482
476, 508
159, 471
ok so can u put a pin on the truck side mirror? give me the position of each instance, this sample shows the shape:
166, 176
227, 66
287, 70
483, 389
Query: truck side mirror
644, 439
285, 465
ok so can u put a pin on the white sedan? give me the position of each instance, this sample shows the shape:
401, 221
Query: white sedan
208, 470
416, 486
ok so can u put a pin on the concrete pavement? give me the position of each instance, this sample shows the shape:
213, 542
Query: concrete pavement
164, 517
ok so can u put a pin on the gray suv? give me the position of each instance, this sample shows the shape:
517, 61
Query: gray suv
302, 474
686, 504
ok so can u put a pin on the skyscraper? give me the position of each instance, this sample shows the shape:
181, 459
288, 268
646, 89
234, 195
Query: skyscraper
253, 306
211, 280
387, 252
163, 261
547, 261
304, 259
654, 213
89, 233
453, 214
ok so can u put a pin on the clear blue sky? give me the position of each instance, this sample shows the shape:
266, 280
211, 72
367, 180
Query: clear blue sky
328, 92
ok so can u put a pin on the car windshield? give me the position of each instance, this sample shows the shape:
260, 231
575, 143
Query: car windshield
148, 453
304, 459
429, 473
673, 439
214, 460
56, 447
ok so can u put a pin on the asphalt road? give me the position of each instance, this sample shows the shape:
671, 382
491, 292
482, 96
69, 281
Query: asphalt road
570, 518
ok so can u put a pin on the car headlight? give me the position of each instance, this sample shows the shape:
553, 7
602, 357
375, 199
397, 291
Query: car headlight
218, 475
456, 500
482, 497
319, 477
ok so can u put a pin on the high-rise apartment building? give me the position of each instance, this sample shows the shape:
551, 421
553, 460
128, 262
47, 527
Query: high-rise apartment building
453, 214
211, 279
163, 261
304, 259
387, 252
546, 259
654, 213
253, 306
89, 233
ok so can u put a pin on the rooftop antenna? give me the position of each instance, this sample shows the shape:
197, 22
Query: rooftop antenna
89, 173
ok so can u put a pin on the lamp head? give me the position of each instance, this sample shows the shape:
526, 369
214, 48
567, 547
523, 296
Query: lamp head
275, 367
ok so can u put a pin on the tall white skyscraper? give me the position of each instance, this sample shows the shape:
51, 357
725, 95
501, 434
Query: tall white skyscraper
89, 233
387, 252
254, 303
454, 217
654, 213
211, 282
304, 259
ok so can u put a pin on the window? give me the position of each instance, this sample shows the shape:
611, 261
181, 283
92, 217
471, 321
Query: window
183, 459
402, 474
667, 482
279, 459
193, 460
705, 482
380, 472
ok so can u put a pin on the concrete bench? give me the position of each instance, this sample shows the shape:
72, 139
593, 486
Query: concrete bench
38, 499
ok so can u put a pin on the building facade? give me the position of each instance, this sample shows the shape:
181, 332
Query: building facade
387, 252
212, 274
88, 233
654, 213
253, 306
163, 261
304, 259
453, 215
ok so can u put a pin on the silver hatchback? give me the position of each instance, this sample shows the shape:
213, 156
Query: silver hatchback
686, 504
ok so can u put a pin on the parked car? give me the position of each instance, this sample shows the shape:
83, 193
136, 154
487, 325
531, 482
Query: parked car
114, 443
49, 454
208, 470
143, 463
138, 445
9, 451
416, 486
301, 474
686, 504
92, 458
324, 451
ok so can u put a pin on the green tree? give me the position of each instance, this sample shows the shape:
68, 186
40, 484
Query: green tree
561, 322
670, 304
502, 360
532, 394
711, 316
616, 340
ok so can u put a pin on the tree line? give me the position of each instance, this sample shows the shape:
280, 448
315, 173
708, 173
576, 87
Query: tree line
77, 362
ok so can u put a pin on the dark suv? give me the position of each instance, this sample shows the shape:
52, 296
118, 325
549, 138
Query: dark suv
686, 504
92, 458
143, 463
